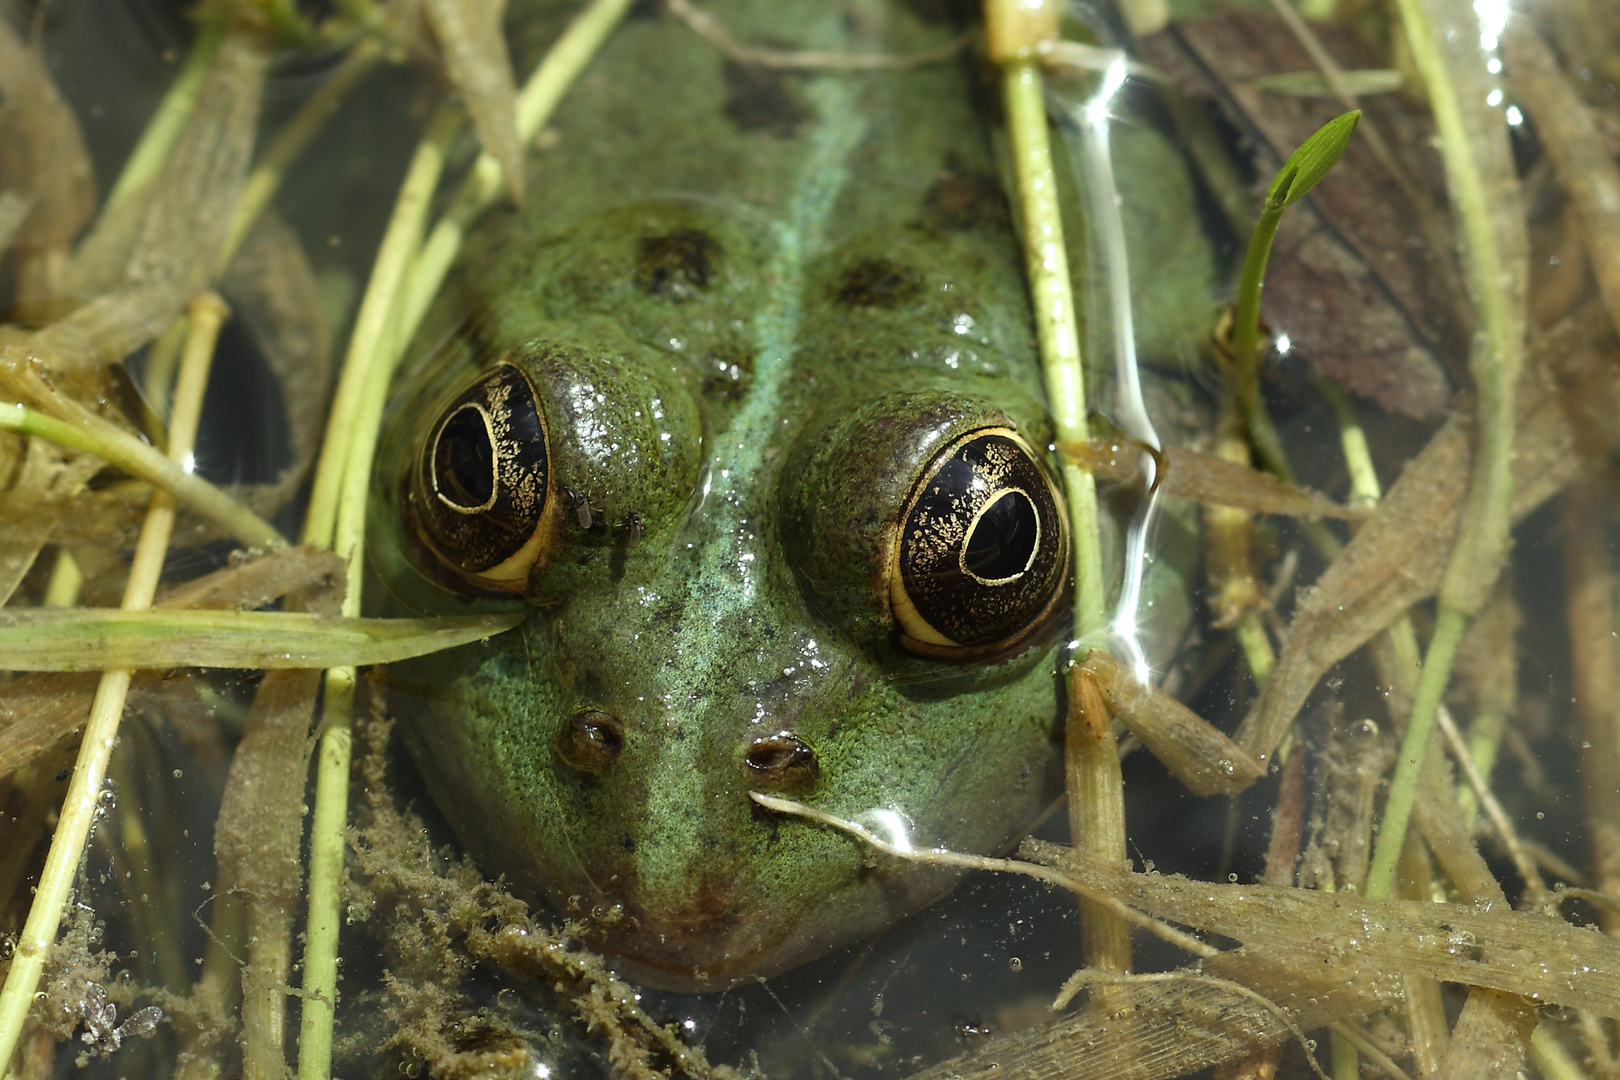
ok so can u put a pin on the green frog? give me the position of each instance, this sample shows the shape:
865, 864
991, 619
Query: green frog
744, 409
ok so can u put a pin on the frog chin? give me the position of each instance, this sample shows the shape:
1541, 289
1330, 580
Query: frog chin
713, 940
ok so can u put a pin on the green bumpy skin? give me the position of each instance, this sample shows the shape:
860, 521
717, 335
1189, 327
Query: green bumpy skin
753, 308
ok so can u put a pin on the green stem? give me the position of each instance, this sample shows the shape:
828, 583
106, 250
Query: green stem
371, 325
117, 447
292, 139
1246, 344
1346, 1061
1366, 490
326, 877
1056, 326
1476, 156
1095, 784
404, 281
1550, 1058
486, 182
284, 16
1432, 680
163, 130
82, 803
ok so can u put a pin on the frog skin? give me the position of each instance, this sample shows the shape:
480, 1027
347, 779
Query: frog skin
711, 410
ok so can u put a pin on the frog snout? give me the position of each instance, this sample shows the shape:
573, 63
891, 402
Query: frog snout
677, 842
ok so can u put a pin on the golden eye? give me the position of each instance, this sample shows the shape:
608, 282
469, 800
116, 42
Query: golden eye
482, 487
981, 555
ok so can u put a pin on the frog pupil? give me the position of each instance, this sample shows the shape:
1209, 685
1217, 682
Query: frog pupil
464, 463
1003, 541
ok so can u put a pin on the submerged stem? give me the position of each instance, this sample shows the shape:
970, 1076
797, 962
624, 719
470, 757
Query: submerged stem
118, 447
163, 131
485, 182
1484, 189
207, 313
372, 323
292, 139
404, 280
1096, 787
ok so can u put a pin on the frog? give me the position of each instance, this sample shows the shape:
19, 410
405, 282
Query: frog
743, 411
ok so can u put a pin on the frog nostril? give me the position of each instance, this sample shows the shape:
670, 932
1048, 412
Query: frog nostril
781, 761
591, 740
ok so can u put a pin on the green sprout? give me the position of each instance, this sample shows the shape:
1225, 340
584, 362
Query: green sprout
1304, 169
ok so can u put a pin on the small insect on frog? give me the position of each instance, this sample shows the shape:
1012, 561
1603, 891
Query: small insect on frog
744, 410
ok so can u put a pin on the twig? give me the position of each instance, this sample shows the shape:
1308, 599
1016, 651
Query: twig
207, 313
1522, 860
1059, 56
962, 861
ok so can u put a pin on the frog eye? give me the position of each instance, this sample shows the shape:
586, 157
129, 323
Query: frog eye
482, 485
982, 553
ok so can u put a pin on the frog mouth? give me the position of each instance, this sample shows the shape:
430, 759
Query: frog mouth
727, 933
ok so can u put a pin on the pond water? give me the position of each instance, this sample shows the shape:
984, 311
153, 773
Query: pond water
733, 464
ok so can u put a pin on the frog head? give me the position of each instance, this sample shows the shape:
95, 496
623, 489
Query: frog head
838, 577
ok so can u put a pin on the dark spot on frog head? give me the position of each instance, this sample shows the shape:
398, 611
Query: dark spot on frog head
963, 200
878, 283
677, 264
781, 762
758, 99
591, 740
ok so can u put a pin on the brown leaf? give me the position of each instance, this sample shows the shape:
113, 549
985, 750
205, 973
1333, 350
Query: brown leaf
1398, 555
474, 49
1205, 478
1197, 754
1584, 166
255, 582
273, 291
1371, 309
1168, 1027
42, 151
143, 261
45, 479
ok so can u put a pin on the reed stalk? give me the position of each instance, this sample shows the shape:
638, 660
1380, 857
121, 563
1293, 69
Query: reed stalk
85, 793
1484, 192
